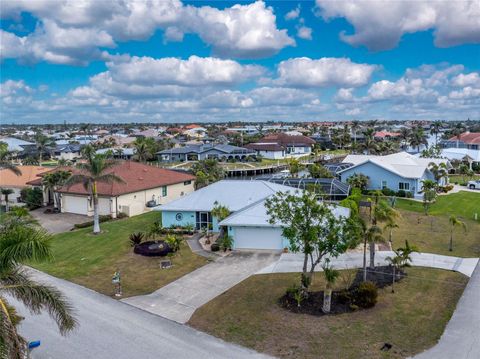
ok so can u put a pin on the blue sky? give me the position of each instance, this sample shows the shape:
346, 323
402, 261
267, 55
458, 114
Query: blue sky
199, 61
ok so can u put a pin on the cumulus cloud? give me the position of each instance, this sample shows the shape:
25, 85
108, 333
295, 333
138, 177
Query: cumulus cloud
306, 72
379, 24
471, 79
75, 32
293, 14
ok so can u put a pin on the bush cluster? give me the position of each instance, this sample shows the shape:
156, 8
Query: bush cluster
101, 218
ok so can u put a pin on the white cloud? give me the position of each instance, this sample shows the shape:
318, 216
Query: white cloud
304, 32
306, 72
466, 93
293, 14
74, 32
379, 25
471, 79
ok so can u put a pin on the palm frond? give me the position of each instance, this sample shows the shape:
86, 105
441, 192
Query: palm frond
38, 297
110, 178
12, 345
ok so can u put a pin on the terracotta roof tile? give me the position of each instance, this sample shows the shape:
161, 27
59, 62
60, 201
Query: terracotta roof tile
29, 173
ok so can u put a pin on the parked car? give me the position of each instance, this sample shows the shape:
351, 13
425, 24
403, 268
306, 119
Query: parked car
474, 184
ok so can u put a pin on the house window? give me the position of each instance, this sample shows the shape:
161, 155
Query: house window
186, 183
404, 186
164, 191
384, 184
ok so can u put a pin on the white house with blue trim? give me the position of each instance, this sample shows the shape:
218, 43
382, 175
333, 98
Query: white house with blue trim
248, 223
398, 171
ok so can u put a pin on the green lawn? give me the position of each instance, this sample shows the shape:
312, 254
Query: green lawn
90, 260
464, 204
462, 179
412, 319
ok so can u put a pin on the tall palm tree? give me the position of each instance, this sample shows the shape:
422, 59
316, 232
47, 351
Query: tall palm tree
371, 235
404, 136
381, 212
94, 171
369, 143
457, 132
142, 152
6, 192
455, 222
418, 138
21, 243
435, 130
439, 171
429, 190
42, 143
390, 225
53, 181
355, 128
6, 160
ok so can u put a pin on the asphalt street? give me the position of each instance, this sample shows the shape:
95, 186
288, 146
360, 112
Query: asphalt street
112, 329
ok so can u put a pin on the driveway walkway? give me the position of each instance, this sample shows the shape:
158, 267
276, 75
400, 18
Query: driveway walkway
58, 222
179, 300
290, 262
110, 329
461, 338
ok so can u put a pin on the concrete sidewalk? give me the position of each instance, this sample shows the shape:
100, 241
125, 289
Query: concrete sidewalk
179, 300
461, 338
293, 262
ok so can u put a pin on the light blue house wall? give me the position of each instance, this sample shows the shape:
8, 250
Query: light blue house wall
170, 219
379, 174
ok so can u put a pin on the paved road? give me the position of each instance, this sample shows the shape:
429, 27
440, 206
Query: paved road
290, 262
179, 300
112, 329
461, 338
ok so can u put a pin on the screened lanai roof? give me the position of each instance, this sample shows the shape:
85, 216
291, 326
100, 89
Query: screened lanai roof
334, 168
329, 186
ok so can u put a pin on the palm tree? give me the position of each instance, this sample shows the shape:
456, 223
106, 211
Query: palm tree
6, 192
390, 226
372, 235
457, 132
435, 130
142, 151
439, 171
5, 160
429, 189
21, 243
220, 212
355, 128
418, 138
401, 259
404, 136
382, 212
295, 166
42, 143
331, 276
53, 181
369, 143
454, 222
94, 171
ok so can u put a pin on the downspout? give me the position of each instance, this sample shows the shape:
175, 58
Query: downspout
116, 206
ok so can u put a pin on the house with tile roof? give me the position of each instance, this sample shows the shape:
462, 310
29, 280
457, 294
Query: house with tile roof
144, 187
199, 152
10, 180
397, 171
470, 140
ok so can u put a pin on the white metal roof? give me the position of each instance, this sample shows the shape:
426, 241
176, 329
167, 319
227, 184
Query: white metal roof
234, 194
401, 163
460, 153
15, 144
256, 216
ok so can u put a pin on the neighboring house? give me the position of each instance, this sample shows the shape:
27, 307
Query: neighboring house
118, 152
145, 187
68, 152
281, 145
462, 154
382, 135
470, 140
195, 132
10, 180
248, 221
204, 151
398, 171
15, 144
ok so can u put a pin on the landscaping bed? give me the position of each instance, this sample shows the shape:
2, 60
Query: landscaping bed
343, 300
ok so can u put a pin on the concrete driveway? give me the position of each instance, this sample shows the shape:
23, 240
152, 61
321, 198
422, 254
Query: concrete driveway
179, 300
58, 222
110, 329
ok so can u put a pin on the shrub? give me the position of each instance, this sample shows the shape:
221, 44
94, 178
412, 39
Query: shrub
215, 247
409, 194
121, 215
401, 193
388, 192
173, 241
33, 197
226, 243
136, 238
101, 219
365, 295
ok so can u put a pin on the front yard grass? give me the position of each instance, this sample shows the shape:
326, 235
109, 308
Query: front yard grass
412, 319
90, 260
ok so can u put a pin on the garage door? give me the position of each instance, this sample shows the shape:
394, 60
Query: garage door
258, 238
73, 204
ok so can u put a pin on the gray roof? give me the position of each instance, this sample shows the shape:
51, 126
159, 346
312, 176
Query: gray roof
206, 147
235, 194
15, 144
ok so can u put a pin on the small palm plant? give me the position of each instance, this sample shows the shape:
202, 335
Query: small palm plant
455, 222
401, 259
331, 276
136, 238
6, 192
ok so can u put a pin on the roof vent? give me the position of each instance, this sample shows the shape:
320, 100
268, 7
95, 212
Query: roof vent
140, 178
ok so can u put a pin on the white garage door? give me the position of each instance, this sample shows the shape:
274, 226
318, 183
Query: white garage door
73, 204
258, 238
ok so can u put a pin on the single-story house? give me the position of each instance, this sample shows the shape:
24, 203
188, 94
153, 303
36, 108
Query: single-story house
145, 187
68, 152
118, 152
204, 151
248, 221
9, 180
280, 146
470, 140
15, 144
462, 154
398, 171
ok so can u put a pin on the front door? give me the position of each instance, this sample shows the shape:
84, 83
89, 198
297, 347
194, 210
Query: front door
204, 219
